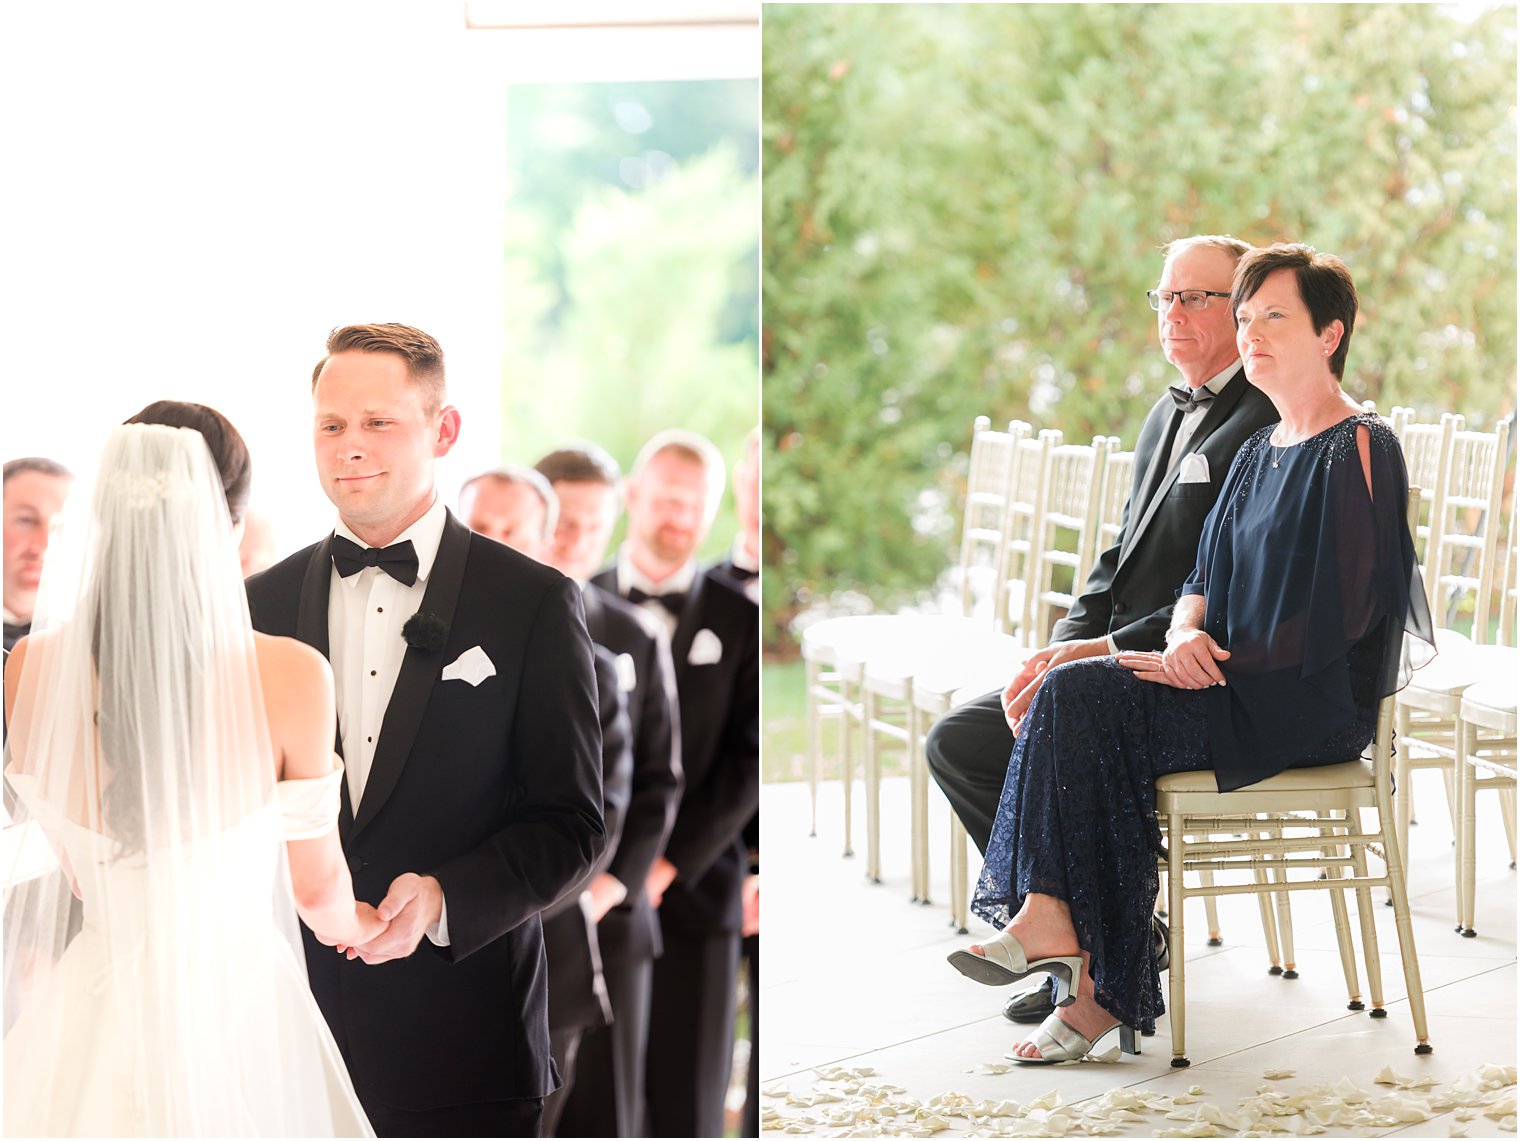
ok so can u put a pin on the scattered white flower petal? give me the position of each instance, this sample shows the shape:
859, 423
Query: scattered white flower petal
1279, 1075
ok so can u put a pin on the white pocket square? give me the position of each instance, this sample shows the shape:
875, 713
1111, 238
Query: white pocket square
627, 673
1195, 468
472, 666
706, 649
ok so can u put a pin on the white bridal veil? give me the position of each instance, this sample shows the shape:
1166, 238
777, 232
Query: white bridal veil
154, 980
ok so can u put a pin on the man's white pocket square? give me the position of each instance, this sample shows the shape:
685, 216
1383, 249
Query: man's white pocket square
627, 673
472, 666
706, 649
1195, 468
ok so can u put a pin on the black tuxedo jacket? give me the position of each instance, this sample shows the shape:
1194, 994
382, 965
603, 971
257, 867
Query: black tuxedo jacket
630, 932
720, 754
577, 994
495, 789
1133, 586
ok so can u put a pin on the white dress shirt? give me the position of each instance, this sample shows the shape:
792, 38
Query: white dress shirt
365, 613
629, 576
1185, 432
1191, 420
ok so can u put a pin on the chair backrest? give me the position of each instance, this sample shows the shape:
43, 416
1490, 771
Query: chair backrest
1118, 476
986, 511
1026, 506
1399, 419
1466, 521
1427, 455
1509, 582
1068, 528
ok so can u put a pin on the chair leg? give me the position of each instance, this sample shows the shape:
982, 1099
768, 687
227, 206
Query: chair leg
1405, 929
1269, 928
871, 756
960, 876
814, 728
1467, 795
1343, 939
1211, 910
1177, 972
1507, 812
1403, 794
847, 760
1285, 923
918, 815
1369, 930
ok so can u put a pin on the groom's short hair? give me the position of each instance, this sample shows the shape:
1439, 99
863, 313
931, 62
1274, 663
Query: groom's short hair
423, 355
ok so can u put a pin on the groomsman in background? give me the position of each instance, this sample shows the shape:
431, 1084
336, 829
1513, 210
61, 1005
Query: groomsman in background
516, 506
673, 494
35, 489
742, 567
587, 484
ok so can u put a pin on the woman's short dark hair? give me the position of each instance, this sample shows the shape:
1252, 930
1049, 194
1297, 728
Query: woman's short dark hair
226, 444
1324, 283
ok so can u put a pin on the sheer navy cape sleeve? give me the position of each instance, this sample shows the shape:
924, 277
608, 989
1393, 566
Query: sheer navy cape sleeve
1311, 583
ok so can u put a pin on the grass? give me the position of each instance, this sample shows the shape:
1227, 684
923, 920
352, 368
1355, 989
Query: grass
783, 729
783, 737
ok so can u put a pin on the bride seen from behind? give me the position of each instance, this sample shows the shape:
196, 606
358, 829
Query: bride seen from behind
179, 769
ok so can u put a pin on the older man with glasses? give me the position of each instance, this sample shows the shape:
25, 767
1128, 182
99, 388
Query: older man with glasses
1183, 452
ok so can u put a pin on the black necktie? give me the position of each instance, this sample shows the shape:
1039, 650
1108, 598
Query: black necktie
399, 561
1190, 398
674, 601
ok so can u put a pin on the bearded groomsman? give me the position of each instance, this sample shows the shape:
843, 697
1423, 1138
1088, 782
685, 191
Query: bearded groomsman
467, 719
673, 493
587, 484
516, 506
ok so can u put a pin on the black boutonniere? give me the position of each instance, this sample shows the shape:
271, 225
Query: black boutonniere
425, 632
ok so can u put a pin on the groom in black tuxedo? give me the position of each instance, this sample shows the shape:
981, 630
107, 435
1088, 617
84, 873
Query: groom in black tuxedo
673, 493
468, 721
1182, 455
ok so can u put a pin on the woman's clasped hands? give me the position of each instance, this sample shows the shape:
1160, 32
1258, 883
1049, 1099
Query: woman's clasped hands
1190, 661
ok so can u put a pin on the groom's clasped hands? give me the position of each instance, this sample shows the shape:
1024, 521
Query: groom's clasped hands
393, 929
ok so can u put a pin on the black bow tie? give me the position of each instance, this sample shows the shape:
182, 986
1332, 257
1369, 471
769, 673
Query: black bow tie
674, 601
1189, 398
399, 561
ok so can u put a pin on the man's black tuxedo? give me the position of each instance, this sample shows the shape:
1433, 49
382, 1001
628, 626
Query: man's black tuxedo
578, 996
495, 790
607, 1100
1129, 593
690, 1036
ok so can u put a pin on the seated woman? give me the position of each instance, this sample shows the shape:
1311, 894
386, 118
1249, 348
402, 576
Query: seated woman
1283, 641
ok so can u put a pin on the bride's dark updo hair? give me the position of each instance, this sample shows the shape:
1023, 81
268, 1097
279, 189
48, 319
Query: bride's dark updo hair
227, 448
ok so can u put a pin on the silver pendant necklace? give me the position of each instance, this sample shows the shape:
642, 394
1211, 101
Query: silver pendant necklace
1271, 447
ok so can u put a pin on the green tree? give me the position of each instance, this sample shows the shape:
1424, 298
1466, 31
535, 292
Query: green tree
963, 208
632, 283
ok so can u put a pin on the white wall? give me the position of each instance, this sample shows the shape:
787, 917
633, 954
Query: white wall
193, 194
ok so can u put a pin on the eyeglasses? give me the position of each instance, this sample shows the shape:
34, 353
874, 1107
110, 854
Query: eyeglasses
1195, 300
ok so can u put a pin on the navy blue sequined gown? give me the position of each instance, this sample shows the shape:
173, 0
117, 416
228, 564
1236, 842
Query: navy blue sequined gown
1310, 583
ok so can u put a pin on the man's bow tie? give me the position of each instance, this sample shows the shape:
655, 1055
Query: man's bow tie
1189, 398
674, 601
399, 561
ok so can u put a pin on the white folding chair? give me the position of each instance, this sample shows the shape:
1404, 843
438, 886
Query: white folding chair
1485, 740
1461, 559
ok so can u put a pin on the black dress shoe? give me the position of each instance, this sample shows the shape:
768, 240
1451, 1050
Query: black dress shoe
1032, 1005
1035, 1004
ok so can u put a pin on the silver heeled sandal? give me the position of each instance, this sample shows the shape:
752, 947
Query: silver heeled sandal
1058, 1042
1003, 961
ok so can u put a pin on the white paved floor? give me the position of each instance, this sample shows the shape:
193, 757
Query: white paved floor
864, 1024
